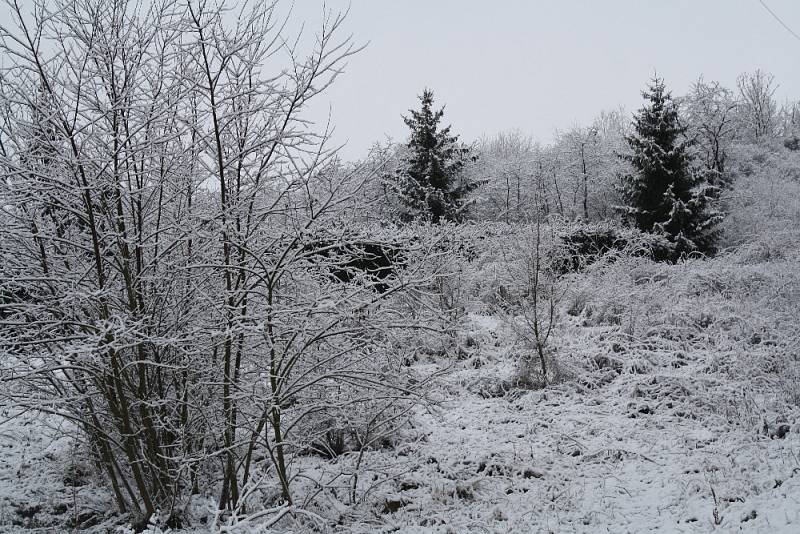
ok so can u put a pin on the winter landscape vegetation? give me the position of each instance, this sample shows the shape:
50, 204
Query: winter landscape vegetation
213, 321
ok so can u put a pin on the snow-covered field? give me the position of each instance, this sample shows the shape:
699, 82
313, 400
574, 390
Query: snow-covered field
662, 451
678, 411
683, 417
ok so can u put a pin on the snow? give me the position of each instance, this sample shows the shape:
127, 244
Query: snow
43, 483
673, 442
667, 420
678, 411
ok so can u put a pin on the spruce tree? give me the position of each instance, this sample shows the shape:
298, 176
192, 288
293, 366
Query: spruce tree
430, 183
667, 193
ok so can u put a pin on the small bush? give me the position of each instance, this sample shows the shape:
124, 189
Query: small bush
528, 374
584, 245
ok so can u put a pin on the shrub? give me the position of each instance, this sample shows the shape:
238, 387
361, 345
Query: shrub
584, 245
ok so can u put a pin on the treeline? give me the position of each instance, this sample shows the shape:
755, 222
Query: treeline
587, 173
577, 175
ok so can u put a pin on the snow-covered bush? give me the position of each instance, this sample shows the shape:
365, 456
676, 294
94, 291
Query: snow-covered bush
763, 201
536, 316
180, 278
581, 245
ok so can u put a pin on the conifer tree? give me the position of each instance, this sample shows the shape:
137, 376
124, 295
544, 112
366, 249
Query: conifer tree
430, 183
666, 193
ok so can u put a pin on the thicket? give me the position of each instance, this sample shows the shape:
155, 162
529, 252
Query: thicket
178, 277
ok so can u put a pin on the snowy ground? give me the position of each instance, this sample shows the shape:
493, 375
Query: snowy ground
679, 412
682, 416
643, 453
44, 486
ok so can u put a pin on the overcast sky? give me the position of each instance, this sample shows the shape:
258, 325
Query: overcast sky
538, 65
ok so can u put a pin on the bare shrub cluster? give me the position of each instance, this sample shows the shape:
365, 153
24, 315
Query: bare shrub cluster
171, 279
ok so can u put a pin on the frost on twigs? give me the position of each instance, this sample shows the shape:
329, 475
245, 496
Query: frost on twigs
183, 278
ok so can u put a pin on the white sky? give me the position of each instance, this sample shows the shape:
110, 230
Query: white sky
538, 65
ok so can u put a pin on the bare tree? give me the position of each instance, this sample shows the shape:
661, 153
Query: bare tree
534, 315
540, 313
758, 109
580, 147
789, 118
711, 116
506, 165
586, 159
612, 127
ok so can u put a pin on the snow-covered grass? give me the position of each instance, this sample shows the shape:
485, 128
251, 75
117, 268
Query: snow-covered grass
678, 411
44, 482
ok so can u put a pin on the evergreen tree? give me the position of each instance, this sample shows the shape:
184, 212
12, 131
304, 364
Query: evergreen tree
431, 184
666, 193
